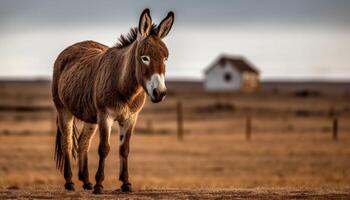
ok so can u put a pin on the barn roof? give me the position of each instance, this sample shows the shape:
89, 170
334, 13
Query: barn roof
238, 62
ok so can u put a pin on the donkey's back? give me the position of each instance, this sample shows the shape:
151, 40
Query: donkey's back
73, 79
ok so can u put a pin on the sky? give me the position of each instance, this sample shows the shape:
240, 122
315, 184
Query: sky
295, 39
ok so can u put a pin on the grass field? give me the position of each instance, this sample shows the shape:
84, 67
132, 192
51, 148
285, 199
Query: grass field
291, 153
206, 164
205, 161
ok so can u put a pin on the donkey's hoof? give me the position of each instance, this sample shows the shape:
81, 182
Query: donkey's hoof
87, 186
98, 189
69, 186
126, 187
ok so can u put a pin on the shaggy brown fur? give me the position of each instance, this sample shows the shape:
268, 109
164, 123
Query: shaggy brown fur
99, 85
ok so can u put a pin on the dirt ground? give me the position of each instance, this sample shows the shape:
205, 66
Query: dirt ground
291, 153
180, 194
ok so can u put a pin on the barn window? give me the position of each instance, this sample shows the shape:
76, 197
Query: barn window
227, 77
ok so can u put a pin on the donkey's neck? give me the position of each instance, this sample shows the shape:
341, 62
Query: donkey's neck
128, 85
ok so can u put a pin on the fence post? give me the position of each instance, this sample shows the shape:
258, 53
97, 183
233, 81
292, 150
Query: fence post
335, 128
248, 127
179, 113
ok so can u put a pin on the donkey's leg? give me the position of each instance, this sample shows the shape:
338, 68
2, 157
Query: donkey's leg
84, 145
65, 123
105, 125
126, 129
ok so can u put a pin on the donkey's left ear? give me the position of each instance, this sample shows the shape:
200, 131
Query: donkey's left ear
165, 26
145, 23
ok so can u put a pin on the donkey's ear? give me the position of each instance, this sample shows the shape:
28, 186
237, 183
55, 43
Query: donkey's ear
166, 24
145, 23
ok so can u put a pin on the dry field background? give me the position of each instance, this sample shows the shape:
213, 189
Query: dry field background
291, 153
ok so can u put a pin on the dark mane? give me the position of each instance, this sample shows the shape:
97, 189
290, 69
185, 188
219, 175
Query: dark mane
127, 39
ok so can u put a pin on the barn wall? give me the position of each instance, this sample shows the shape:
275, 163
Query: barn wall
214, 80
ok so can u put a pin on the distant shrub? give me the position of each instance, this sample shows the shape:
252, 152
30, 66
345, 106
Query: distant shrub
309, 113
216, 107
302, 113
326, 129
306, 93
13, 187
275, 91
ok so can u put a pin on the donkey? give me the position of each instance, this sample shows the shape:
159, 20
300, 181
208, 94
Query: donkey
98, 85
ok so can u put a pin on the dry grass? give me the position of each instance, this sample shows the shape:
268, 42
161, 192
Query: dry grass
201, 161
291, 153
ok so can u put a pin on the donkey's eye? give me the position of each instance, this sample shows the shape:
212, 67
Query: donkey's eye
146, 60
165, 60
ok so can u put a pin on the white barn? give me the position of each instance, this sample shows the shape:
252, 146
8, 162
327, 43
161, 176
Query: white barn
231, 73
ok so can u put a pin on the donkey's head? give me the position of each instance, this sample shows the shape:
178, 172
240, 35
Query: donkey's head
152, 54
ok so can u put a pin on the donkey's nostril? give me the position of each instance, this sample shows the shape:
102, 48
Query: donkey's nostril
162, 94
155, 93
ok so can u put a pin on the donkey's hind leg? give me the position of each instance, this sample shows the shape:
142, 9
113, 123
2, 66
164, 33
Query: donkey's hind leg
65, 123
84, 145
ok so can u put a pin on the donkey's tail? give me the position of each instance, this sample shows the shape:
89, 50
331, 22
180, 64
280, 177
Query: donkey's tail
59, 156
58, 150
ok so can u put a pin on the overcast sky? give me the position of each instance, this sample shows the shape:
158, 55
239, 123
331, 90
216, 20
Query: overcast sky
294, 39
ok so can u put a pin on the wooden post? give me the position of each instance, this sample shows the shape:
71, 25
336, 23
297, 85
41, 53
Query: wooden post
248, 127
335, 128
179, 113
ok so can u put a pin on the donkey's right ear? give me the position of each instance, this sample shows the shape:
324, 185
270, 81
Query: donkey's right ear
165, 26
145, 23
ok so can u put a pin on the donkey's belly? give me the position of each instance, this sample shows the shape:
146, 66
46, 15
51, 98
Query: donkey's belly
76, 93
85, 115
81, 106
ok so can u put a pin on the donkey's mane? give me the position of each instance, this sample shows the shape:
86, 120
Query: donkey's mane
127, 39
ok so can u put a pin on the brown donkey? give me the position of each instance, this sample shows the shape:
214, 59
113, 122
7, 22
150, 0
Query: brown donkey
99, 85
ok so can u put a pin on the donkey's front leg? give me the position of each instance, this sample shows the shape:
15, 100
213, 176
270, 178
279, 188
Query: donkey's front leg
126, 129
105, 124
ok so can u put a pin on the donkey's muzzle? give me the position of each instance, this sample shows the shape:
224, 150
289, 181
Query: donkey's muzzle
158, 95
